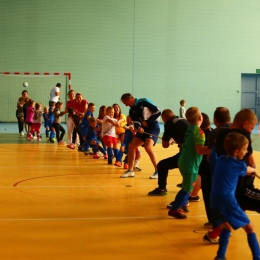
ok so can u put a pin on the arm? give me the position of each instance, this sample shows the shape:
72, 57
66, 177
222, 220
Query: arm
200, 149
251, 171
250, 160
112, 122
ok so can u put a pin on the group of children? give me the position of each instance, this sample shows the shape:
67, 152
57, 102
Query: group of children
226, 166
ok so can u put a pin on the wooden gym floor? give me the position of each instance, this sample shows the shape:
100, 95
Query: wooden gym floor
57, 203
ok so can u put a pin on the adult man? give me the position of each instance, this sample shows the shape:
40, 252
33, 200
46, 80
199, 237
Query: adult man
174, 130
144, 114
55, 93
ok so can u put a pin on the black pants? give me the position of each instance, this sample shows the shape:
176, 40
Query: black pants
59, 128
20, 125
206, 181
163, 167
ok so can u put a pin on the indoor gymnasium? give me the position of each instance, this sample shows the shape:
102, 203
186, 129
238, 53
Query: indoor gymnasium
60, 203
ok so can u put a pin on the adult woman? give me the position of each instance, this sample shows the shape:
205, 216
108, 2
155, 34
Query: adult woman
80, 109
71, 103
20, 112
121, 119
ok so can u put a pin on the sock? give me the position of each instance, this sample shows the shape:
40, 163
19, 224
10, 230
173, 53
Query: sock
253, 244
95, 149
116, 153
47, 133
126, 160
180, 199
223, 243
101, 150
119, 156
110, 153
136, 163
52, 134
215, 232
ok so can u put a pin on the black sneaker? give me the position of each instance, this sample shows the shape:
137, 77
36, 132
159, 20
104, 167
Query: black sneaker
137, 169
176, 214
169, 206
194, 199
179, 185
157, 192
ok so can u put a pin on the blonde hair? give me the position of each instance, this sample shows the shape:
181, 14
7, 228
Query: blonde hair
109, 109
192, 115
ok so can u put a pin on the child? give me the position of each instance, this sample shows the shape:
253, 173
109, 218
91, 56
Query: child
182, 109
36, 123
223, 201
129, 135
57, 120
20, 114
101, 114
30, 114
46, 121
51, 119
91, 139
25, 106
189, 160
83, 126
109, 134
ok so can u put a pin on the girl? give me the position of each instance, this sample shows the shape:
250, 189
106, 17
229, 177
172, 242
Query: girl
29, 114
57, 120
36, 122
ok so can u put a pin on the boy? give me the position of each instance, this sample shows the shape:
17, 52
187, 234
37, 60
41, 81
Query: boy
189, 160
91, 139
174, 129
182, 109
109, 134
223, 201
247, 196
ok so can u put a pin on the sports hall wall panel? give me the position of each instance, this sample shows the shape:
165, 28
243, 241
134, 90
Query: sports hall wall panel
166, 50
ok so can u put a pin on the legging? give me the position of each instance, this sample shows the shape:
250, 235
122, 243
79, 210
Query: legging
59, 128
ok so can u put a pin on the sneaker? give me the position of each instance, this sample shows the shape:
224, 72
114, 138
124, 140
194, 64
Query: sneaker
136, 169
194, 199
39, 139
35, 137
29, 137
217, 258
125, 166
51, 140
176, 214
154, 176
71, 146
105, 156
157, 192
210, 240
208, 225
61, 142
96, 156
118, 164
179, 185
127, 174
80, 149
22, 133
184, 209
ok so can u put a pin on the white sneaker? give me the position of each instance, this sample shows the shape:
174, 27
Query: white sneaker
22, 133
127, 174
154, 176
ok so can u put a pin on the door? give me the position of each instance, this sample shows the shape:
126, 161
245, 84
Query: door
250, 92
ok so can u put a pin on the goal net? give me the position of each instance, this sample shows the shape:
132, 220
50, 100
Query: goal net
39, 87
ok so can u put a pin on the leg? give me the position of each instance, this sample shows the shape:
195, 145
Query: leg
62, 130
196, 187
252, 241
223, 240
136, 142
70, 127
148, 146
206, 189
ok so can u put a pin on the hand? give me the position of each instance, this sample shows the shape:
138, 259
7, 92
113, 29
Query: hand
140, 130
144, 124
